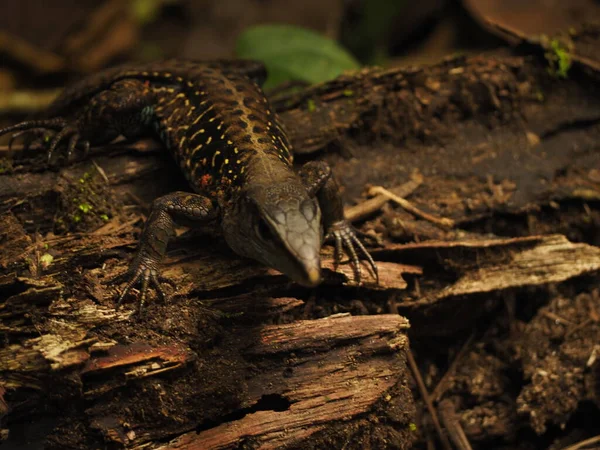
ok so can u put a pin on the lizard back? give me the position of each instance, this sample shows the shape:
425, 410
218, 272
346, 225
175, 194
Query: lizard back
219, 126
171, 71
212, 115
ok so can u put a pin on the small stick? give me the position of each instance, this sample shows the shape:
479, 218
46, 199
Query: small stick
583, 444
557, 318
365, 209
427, 399
371, 206
578, 327
101, 172
452, 424
443, 221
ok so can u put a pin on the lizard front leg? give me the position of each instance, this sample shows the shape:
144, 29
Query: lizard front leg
119, 110
319, 182
178, 207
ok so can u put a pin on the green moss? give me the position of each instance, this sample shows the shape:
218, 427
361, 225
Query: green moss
348, 92
85, 178
412, 426
539, 95
310, 104
5, 165
85, 207
46, 259
86, 204
227, 315
559, 59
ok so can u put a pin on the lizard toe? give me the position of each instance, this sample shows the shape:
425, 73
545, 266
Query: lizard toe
147, 278
345, 237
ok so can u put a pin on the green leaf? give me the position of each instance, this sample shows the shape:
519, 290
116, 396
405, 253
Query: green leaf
294, 54
145, 11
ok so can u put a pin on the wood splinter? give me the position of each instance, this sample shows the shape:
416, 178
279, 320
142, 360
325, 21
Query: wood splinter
443, 222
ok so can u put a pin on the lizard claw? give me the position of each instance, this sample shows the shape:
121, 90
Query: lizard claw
144, 274
345, 236
60, 128
37, 134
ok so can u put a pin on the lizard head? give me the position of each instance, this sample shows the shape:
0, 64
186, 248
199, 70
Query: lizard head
278, 225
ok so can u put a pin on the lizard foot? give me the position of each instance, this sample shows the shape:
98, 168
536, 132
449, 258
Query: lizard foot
345, 236
144, 273
52, 131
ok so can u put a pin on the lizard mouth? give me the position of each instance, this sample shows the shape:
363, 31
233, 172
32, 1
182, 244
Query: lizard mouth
304, 271
311, 277
305, 267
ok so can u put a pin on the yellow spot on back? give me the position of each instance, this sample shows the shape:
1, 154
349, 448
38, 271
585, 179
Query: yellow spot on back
181, 142
235, 150
200, 116
195, 135
228, 142
179, 79
214, 156
209, 140
226, 161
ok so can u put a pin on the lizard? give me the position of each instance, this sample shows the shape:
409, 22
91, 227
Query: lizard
217, 123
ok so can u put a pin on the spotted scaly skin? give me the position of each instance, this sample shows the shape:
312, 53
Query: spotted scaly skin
218, 125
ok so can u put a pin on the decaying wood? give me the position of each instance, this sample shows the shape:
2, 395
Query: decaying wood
351, 380
238, 357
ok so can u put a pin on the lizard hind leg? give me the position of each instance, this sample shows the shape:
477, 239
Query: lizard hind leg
51, 131
117, 110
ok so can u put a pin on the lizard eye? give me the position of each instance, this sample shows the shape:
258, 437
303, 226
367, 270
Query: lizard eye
263, 230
